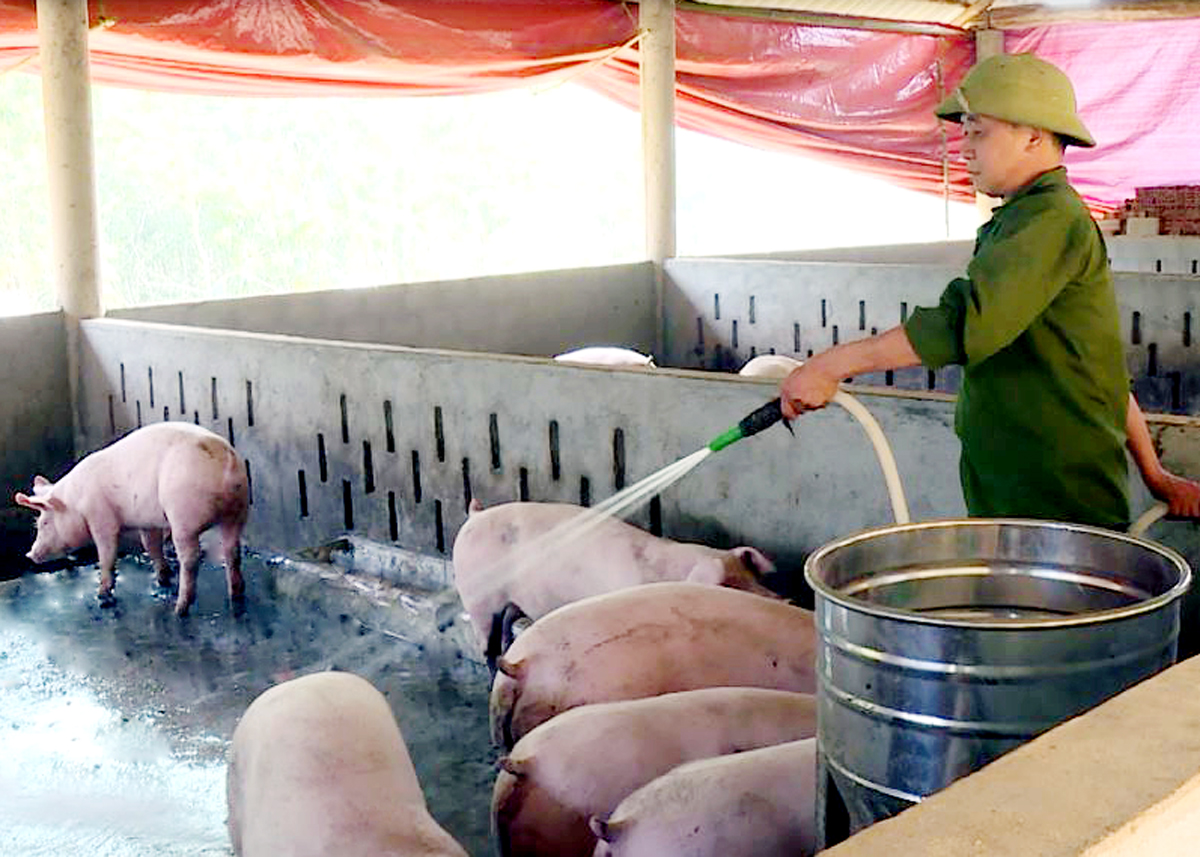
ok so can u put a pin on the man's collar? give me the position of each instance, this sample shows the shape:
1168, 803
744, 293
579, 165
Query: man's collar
1054, 177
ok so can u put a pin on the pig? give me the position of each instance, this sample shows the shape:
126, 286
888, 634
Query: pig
760, 803
514, 553
606, 355
318, 766
770, 366
172, 476
648, 640
583, 762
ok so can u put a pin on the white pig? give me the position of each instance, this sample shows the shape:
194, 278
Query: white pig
770, 366
513, 554
761, 803
167, 476
606, 355
583, 762
651, 639
318, 766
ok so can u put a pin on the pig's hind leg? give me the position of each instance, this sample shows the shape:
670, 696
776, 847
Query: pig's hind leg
106, 553
231, 551
152, 541
187, 548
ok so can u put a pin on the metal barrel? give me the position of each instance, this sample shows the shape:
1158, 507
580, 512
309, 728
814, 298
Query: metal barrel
945, 644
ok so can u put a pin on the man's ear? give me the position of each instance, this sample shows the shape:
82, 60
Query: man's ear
1039, 137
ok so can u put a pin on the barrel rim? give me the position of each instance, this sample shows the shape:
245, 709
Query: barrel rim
823, 591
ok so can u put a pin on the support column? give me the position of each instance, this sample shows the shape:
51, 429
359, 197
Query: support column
988, 43
656, 20
70, 172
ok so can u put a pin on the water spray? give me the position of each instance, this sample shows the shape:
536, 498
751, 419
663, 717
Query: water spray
630, 498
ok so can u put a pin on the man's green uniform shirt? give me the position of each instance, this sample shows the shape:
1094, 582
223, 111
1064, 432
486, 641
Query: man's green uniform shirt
1041, 410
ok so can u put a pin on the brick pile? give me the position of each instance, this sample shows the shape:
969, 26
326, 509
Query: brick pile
1177, 208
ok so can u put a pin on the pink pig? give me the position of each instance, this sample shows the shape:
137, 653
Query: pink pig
514, 553
759, 803
171, 476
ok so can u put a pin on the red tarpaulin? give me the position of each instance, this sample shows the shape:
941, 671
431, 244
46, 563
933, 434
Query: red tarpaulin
859, 98
334, 47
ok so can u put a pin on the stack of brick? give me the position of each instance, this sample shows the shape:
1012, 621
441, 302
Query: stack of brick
1176, 208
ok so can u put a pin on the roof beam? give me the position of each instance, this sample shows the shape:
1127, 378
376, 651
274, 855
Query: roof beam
822, 19
1017, 15
971, 14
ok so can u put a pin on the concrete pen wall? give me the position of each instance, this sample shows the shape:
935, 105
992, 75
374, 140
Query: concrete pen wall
539, 313
35, 418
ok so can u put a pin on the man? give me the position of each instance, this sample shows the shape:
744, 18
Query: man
1044, 411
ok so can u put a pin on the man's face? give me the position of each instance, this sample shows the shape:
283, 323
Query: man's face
996, 154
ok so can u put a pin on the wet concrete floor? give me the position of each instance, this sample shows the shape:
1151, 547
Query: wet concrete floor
114, 722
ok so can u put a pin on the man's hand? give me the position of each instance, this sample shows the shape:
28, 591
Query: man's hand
1181, 495
806, 389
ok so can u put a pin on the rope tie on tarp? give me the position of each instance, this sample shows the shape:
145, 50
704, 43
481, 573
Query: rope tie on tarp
945, 144
600, 60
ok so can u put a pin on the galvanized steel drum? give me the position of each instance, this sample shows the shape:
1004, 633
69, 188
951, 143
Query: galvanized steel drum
945, 644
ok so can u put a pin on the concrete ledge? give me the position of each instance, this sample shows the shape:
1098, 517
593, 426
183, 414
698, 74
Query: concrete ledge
1121, 779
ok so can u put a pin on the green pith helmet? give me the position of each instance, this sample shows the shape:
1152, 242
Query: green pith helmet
1022, 89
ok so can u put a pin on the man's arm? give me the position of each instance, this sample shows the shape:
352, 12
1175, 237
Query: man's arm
1181, 495
815, 383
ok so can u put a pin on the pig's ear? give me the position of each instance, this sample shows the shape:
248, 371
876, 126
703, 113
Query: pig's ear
30, 502
40, 481
41, 502
755, 561
601, 829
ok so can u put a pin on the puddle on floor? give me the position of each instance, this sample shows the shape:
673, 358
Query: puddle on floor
114, 722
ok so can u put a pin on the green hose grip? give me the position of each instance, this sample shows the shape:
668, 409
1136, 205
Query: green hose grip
725, 438
761, 418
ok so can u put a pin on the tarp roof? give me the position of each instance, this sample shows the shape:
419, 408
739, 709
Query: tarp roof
846, 89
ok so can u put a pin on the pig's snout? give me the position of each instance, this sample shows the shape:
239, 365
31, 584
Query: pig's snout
40, 553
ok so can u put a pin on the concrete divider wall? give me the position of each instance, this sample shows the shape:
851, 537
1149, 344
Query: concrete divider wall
541, 313
1156, 254
392, 442
720, 313
36, 434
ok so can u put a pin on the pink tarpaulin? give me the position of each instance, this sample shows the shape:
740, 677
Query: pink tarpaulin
1138, 87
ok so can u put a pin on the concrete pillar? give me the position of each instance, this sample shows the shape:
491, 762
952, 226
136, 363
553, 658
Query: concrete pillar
988, 43
656, 20
70, 173
67, 107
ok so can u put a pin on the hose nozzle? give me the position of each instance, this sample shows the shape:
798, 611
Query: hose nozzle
752, 423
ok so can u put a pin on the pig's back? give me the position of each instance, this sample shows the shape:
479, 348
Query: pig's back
659, 621
153, 469
654, 639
